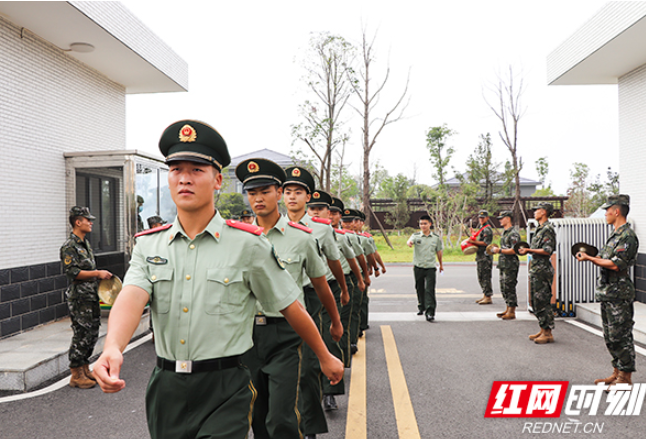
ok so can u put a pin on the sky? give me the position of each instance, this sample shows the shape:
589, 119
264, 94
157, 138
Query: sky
246, 78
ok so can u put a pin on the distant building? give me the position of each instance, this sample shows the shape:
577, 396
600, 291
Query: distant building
609, 49
232, 184
527, 186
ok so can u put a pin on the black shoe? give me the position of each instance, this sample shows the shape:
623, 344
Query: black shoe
367, 327
329, 403
430, 318
353, 348
420, 313
361, 334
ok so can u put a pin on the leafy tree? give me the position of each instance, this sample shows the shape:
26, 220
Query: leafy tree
600, 191
441, 153
230, 204
543, 169
579, 199
482, 172
396, 188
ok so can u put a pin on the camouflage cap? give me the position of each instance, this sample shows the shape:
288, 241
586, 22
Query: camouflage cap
505, 214
616, 199
549, 209
320, 198
483, 213
81, 211
154, 220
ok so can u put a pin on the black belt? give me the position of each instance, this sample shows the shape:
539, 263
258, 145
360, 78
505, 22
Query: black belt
264, 320
218, 364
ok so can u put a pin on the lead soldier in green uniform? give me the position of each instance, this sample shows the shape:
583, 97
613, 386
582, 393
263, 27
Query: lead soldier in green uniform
541, 272
82, 295
508, 265
203, 276
484, 261
615, 289
276, 358
428, 246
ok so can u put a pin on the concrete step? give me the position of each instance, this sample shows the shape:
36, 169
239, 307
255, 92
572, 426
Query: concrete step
32, 358
590, 313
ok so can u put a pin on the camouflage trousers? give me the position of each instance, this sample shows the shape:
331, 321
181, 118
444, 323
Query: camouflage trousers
508, 281
85, 313
484, 268
617, 317
541, 293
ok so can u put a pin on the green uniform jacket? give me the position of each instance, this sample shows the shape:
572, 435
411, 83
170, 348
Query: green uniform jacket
545, 239
508, 240
425, 249
77, 255
203, 292
324, 234
621, 248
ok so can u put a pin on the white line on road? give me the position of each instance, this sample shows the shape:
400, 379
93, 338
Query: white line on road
65, 381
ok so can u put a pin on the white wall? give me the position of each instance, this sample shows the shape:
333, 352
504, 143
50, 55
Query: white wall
632, 146
50, 103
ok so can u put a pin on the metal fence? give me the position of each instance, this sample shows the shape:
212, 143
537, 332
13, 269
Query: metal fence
575, 281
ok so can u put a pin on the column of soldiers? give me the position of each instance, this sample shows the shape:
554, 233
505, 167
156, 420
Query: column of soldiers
254, 322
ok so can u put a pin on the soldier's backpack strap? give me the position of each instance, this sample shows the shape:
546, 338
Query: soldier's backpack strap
339, 231
325, 221
153, 230
253, 229
301, 227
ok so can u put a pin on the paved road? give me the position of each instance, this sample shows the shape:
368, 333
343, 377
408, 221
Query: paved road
446, 367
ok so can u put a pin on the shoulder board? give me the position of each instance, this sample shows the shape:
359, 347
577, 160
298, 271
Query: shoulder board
365, 234
153, 230
253, 229
347, 231
301, 227
325, 221
339, 231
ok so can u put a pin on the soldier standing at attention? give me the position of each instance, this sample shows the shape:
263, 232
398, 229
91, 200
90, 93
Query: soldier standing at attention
541, 272
428, 245
484, 261
275, 360
82, 295
203, 276
616, 290
508, 265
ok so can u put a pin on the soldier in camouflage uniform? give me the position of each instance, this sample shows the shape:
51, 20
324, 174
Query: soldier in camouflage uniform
508, 265
541, 272
615, 289
484, 261
82, 296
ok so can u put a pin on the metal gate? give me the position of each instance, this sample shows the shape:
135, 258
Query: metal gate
575, 281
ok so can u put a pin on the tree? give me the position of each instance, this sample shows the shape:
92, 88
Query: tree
441, 154
329, 77
230, 204
542, 169
599, 191
578, 203
482, 172
396, 188
369, 100
509, 111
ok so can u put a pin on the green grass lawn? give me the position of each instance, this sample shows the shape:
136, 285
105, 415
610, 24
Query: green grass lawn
403, 254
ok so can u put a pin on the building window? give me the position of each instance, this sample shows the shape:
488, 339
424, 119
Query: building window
100, 195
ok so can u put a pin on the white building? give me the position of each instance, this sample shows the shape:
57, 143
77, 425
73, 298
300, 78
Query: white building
610, 49
65, 70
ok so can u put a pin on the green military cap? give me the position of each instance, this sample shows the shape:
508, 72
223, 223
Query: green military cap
505, 214
362, 216
299, 176
337, 205
350, 214
81, 211
617, 199
247, 213
194, 141
320, 198
254, 173
155, 219
483, 213
140, 200
549, 209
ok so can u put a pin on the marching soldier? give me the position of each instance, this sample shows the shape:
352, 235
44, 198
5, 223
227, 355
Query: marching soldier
247, 216
484, 261
541, 272
82, 295
276, 358
615, 289
508, 265
428, 245
203, 277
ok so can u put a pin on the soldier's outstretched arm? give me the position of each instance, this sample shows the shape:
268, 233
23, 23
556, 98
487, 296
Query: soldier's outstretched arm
124, 318
301, 322
601, 262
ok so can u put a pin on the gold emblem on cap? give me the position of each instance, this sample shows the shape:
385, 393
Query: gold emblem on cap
346, 212
187, 134
253, 167
296, 172
316, 195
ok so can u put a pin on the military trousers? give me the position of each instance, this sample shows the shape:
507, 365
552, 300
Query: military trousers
508, 282
346, 320
541, 292
275, 363
85, 313
425, 287
365, 303
484, 267
355, 323
333, 346
212, 404
617, 318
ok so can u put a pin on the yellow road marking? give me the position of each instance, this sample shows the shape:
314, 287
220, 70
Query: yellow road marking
356, 425
404, 413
